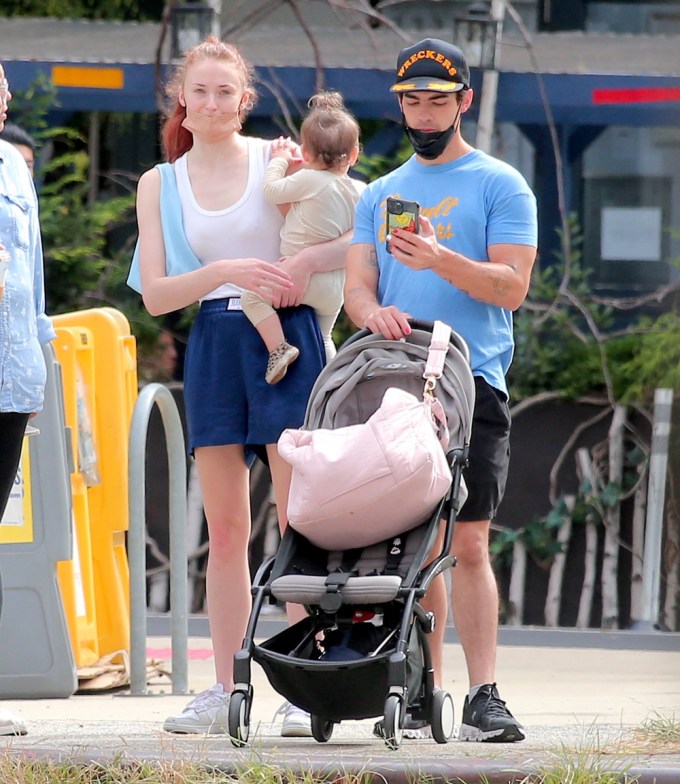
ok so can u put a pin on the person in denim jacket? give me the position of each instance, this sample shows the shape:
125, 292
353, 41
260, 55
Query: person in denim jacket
23, 323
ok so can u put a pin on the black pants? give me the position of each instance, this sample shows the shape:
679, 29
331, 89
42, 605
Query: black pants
12, 427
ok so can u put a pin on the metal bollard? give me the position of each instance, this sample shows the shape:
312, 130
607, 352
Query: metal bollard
658, 464
157, 394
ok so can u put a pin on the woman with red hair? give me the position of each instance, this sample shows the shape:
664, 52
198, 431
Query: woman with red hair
206, 234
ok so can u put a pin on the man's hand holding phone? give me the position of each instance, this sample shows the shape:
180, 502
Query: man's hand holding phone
416, 250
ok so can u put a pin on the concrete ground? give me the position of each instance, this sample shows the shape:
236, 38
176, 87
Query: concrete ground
571, 700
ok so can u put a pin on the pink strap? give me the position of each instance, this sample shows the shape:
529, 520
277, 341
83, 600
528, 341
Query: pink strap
440, 417
434, 367
439, 347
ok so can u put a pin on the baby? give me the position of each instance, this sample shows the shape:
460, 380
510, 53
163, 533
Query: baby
322, 198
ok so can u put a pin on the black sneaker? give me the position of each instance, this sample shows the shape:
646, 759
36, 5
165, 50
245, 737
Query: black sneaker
486, 719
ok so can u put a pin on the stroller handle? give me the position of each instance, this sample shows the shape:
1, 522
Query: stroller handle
423, 325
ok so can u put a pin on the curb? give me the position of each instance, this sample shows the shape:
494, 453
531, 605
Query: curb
325, 767
467, 771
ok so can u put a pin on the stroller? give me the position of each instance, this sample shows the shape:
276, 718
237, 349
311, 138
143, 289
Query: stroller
362, 651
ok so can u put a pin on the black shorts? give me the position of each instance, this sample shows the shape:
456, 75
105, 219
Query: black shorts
487, 470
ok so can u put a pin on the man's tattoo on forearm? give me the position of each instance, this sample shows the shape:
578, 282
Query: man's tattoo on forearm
370, 258
500, 286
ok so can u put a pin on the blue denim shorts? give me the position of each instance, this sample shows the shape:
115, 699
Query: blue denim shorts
226, 396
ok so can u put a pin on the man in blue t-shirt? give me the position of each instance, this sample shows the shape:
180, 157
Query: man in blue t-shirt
469, 266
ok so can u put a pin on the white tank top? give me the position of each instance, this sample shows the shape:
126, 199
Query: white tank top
248, 229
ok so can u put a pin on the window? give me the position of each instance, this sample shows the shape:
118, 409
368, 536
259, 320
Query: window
627, 231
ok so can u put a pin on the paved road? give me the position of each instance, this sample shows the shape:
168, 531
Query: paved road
589, 699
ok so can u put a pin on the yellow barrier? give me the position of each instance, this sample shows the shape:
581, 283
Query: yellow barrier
112, 395
74, 349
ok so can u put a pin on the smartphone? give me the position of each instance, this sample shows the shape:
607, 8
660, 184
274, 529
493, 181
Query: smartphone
401, 214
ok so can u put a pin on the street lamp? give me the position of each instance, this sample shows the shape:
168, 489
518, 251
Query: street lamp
189, 25
476, 32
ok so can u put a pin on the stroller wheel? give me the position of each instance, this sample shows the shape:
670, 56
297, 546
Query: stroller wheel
392, 723
322, 729
239, 718
443, 716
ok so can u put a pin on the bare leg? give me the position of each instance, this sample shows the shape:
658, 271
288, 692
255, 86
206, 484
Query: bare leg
436, 601
474, 596
223, 476
271, 331
281, 473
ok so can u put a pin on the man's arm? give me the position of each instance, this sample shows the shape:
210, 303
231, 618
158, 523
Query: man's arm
502, 281
361, 295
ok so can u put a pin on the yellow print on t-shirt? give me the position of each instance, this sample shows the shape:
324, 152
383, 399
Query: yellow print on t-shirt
443, 229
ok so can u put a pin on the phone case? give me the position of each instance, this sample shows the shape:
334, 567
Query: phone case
402, 214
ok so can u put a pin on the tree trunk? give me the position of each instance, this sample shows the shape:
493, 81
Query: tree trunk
515, 614
585, 606
553, 599
638, 549
670, 609
610, 558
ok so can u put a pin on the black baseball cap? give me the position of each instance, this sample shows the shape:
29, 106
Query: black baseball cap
431, 64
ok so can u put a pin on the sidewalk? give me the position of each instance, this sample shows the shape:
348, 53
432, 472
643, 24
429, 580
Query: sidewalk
578, 699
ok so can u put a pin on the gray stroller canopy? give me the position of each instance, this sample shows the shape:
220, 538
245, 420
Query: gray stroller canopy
351, 387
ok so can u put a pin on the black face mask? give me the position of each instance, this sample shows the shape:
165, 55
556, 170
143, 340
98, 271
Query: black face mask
430, 144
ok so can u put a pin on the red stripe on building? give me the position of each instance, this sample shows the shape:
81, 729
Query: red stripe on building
637, 95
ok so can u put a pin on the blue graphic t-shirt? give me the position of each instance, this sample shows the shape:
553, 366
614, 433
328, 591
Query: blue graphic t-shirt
473, 202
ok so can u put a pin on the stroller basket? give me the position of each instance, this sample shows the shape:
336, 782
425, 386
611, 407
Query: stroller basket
333, 690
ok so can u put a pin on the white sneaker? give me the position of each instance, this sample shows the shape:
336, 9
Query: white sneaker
11, 724
412, 729
208, 712
296, 722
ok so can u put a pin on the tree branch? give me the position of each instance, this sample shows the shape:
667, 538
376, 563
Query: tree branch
320, 77
573, 438
251, 19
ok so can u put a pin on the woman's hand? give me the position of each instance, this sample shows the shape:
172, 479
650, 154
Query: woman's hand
299, 273
261, 277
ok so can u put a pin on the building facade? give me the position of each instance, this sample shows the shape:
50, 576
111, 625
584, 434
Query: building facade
588, 101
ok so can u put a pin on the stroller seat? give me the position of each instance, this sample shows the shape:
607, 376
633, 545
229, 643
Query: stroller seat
367, 576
